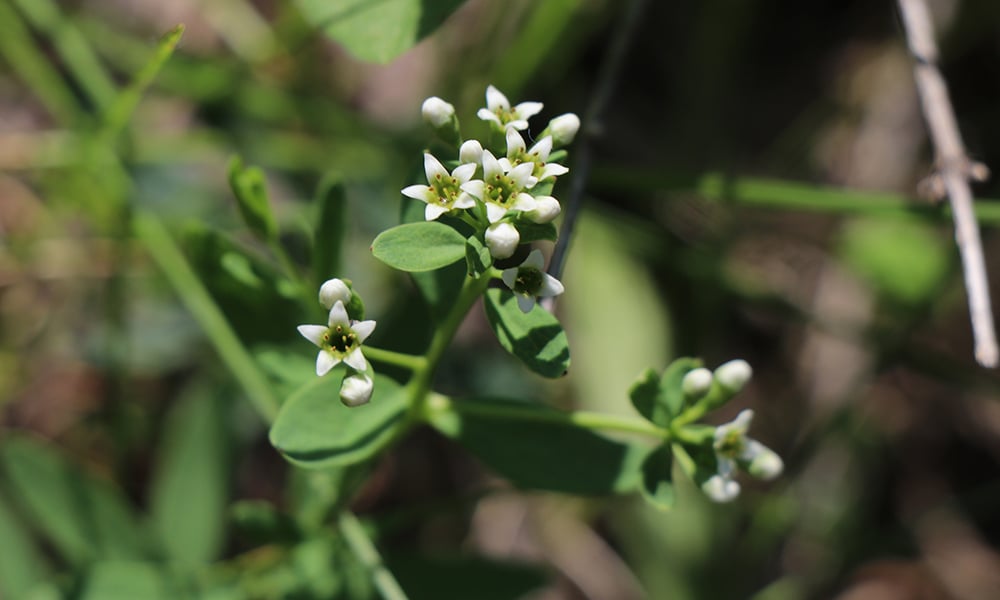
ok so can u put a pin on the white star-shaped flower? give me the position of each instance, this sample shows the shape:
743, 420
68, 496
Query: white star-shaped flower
444, 190
499, 111
537, 155
734, 449
528, 281
340, 341
502, 188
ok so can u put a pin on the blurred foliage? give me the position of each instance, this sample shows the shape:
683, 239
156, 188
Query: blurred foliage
749, 196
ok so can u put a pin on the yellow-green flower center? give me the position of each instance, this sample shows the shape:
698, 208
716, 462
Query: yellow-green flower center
340, 339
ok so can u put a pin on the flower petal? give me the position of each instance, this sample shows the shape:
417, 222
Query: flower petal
356, 360
486, 115
338, 315
534, 260
474, 188
433, 168
509, 276
491, 168
552, 170
515, 143
521, 175
550, 286
495, 212
423, 193
313, 333
465, 172
471, 152
526, 110
523, 202
720, 489
433, 211
525, 303
519, 124
465, 200
363, 329
495, 99
542, 148
324, 362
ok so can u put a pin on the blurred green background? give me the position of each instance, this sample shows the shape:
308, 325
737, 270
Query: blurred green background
749, 195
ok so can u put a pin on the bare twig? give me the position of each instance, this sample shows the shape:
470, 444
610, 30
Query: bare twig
955, 170
591, 127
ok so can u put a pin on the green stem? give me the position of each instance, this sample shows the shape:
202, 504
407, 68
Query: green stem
529, 412
362, 546
407, 361
162, 248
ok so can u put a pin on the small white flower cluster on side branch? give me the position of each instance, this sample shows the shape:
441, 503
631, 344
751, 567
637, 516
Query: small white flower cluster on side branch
501, 190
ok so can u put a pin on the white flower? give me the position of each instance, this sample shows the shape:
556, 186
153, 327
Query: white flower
471, 152
333, 290
696, 382
502, 239
546, 209
734, 374
537, 155
563, 129
528, 281
733, 447
502, 187
356, 389
437, 112
499, 112
445, 190
339, 341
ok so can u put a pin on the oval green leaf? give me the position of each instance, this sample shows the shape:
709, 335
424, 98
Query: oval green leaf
316, 431
417, 247
657, 478
536, 337
535, 447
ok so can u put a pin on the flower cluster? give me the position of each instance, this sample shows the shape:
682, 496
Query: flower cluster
499, 190
339, 341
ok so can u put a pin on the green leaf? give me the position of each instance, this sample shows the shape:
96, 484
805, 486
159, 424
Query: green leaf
419, 246
461, 578
657, 478
189, 491
261, 523
535, 447
250, 188
20, 564
84, 517
644, 394
536, 232
316, 431
536, 337
477, 256
377, 31
126, 580
328, 236
440, 287
672, 393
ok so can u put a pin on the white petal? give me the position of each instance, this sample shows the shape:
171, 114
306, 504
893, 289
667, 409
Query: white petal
505, 164
313, 333
720, 489
437, 112
552, 170
535, 260
697, 382
363, 329
333, 290
465, 172
726, 466
564, 128
338, 315
550, 286
519, 124
491, 168
495, 99
542, 148
502, 240
526, 110
420, 192
433, 211
734, 374
525, 303
521, 175
356, 360
474, 188
546, 209
523, 202
324, 362
495, 212
471, 152
509, 276
433, 168
515, 143
762, 462
464, 200
486, 115
743, 420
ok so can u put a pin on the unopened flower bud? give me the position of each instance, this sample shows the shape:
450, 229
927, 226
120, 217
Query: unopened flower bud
696, 383
437, 112
563, 129
720, 489
470, 152
356, 389
502, 239
766, 464
333, 290
546, 209
734, 374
